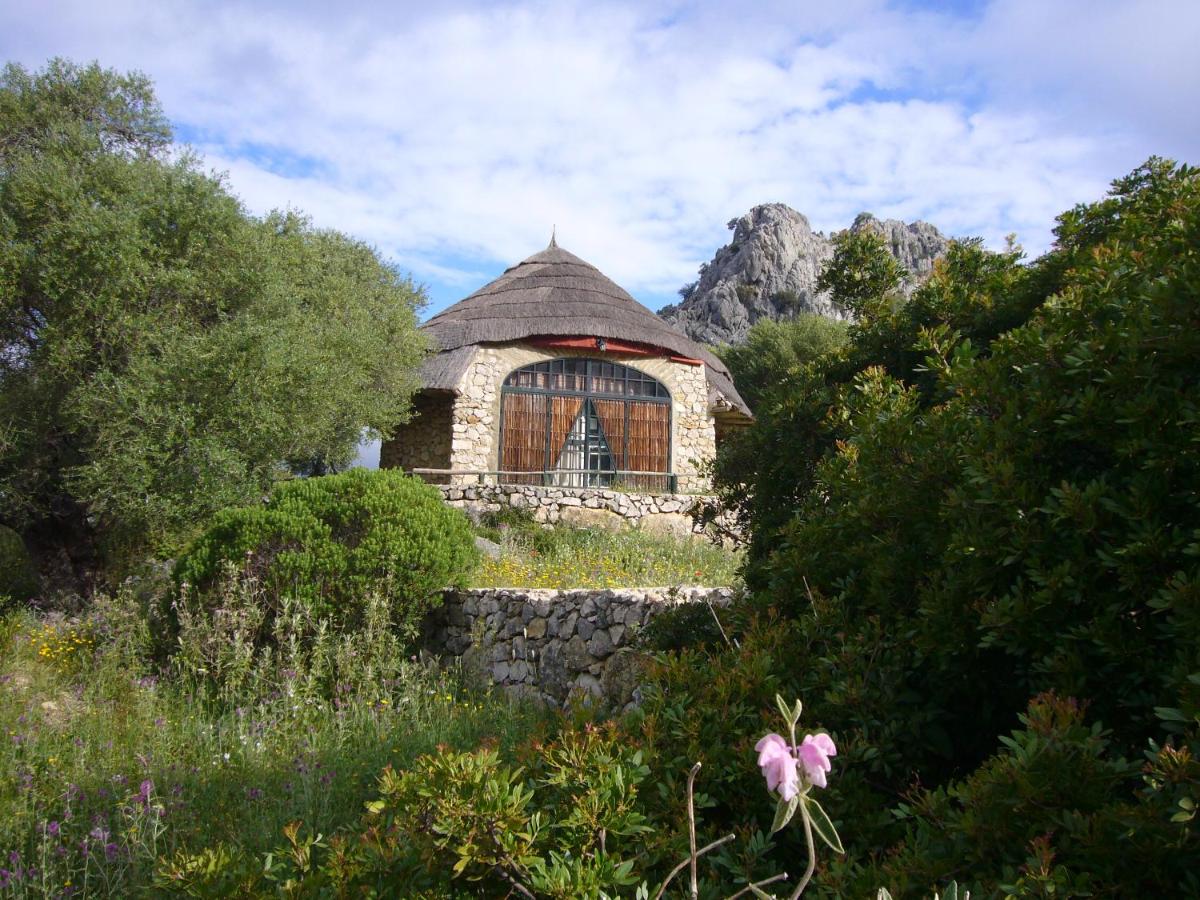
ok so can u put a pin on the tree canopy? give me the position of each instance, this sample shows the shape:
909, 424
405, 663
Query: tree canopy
775, 350
163, 353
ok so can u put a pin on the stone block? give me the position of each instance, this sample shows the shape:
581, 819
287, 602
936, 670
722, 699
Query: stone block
600, 645
588, 684
575, 654
536, 628
587, 517
622, 675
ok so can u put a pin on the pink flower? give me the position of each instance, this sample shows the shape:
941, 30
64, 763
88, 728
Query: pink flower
778, 765
814, 752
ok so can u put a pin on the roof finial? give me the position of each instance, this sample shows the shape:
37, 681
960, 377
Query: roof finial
553, 231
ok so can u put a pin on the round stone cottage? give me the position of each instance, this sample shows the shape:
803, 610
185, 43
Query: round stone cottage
554, 375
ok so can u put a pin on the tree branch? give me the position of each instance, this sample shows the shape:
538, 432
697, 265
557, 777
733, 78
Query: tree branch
683, 865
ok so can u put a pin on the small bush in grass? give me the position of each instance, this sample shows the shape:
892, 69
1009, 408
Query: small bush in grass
329, 543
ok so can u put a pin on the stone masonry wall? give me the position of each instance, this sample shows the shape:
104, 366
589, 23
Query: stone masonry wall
424, 441
476, 412
558, 645
584, 507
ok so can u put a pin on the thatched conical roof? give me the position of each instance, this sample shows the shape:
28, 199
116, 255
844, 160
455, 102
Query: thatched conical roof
556, 294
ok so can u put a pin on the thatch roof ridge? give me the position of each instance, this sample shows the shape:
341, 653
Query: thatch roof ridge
555, 293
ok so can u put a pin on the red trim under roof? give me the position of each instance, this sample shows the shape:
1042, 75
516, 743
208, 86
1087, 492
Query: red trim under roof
611, 345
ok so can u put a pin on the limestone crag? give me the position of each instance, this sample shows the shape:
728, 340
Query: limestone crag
770, 267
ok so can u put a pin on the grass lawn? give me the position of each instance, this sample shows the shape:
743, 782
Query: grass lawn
537, 557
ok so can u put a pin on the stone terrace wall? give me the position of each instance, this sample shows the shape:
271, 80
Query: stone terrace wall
555, 644
583, 507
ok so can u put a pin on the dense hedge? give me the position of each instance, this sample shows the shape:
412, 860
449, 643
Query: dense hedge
331, 542
988, 497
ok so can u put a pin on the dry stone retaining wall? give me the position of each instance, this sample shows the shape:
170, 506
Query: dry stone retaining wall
581, 507
557, 644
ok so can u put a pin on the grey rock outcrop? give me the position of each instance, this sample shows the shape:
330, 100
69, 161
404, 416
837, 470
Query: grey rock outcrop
769, 269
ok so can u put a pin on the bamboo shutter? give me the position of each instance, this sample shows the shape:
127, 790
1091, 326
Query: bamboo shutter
649, 438
524, 448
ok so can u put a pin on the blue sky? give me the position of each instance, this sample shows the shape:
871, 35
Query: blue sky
453, 136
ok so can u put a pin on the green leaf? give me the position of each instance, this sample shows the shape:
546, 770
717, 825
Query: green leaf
784, 709
1170, 714
784, 812
821, 824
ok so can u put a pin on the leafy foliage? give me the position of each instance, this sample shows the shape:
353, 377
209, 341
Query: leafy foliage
567, 826
329, 544
774, 352
986, 495
862, 275
18, 577
162, 353
110, 764
1055, 812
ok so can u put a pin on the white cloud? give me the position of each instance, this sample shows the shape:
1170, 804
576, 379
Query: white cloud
454, 136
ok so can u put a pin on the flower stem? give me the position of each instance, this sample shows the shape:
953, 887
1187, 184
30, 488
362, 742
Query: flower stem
692, 828
812, 853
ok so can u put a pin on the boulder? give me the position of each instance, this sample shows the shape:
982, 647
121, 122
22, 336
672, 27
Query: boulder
669, 524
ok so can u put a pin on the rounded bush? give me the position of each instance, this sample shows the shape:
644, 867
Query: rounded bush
18, 577
331, 542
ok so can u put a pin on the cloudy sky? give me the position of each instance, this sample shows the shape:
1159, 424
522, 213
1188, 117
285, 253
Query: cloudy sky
452, 136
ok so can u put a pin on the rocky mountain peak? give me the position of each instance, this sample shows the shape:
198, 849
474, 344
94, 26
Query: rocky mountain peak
770, 266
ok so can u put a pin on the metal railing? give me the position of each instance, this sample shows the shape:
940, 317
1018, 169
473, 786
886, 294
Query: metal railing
606, 479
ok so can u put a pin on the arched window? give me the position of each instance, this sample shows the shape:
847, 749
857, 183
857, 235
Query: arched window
585, 422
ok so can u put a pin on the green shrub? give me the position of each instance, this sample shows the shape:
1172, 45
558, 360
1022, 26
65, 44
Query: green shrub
988, 494
1057, 813
680, 626
330, 543
18, 577
459, 824
775, 351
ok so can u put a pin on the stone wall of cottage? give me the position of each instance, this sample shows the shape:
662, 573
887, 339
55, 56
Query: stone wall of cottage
475, 415
426, 440
557, 645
